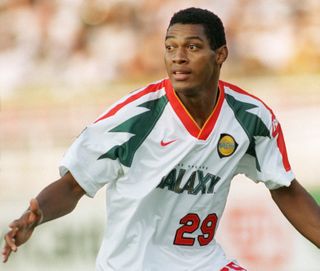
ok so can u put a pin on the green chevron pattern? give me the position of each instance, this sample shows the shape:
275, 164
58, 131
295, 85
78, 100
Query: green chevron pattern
251, 123
140, 126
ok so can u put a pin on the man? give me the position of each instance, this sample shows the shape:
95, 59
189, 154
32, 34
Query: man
167, 153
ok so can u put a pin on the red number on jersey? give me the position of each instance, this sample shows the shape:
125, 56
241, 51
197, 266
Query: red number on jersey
208, 228
190, 223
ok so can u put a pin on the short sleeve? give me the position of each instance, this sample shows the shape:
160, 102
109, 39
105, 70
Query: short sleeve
82, 159
268, 163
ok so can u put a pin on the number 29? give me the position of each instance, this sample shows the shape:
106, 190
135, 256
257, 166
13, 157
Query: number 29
190, 223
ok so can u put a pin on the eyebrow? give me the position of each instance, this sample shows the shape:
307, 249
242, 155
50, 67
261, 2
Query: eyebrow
187, 38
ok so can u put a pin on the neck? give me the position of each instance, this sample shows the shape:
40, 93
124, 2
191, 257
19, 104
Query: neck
201, 105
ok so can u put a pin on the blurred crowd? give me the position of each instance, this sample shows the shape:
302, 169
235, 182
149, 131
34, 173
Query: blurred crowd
81, 42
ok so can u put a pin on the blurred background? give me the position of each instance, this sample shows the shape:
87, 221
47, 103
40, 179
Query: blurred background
63, 62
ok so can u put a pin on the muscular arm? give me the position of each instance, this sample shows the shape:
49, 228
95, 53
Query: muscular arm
56, 200
300, 209
59, 198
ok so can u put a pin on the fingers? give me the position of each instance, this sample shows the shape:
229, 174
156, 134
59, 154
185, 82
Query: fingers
10, 244
21, 229
6, 253
10, 239
16, 225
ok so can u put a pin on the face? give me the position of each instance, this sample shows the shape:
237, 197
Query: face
191, 64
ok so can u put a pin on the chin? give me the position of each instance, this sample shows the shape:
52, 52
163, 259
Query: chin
180, 85
186, 91
183, 87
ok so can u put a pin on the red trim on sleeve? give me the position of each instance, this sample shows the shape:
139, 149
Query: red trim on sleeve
277, 130
151, 88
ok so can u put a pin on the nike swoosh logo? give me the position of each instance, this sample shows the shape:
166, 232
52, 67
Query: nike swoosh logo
163, 143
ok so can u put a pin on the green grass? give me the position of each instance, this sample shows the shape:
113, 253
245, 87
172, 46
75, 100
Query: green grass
315, 192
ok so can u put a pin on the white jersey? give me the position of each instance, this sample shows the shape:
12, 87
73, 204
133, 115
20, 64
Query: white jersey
167, 179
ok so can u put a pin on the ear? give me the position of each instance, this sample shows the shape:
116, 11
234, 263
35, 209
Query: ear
221, 54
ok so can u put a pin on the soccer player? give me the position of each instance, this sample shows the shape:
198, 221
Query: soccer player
167, 153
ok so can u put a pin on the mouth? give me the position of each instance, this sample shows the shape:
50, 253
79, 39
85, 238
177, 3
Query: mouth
181, 75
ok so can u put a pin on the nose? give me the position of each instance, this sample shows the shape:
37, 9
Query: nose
180, 56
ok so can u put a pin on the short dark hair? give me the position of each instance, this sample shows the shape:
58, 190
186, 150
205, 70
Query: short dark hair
213, 26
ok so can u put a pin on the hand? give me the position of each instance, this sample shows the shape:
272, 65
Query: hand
21, 229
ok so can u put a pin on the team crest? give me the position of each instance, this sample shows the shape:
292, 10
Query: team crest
226, 145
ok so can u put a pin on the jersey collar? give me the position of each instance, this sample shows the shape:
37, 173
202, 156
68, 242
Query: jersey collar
185, 117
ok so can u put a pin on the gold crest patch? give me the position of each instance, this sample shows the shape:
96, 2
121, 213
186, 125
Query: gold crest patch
226, 145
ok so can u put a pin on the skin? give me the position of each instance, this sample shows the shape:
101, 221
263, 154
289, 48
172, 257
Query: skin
188, 52
299, 207
194, 70
56, 200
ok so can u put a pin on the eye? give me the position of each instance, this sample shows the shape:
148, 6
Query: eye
193, 47
169, 48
